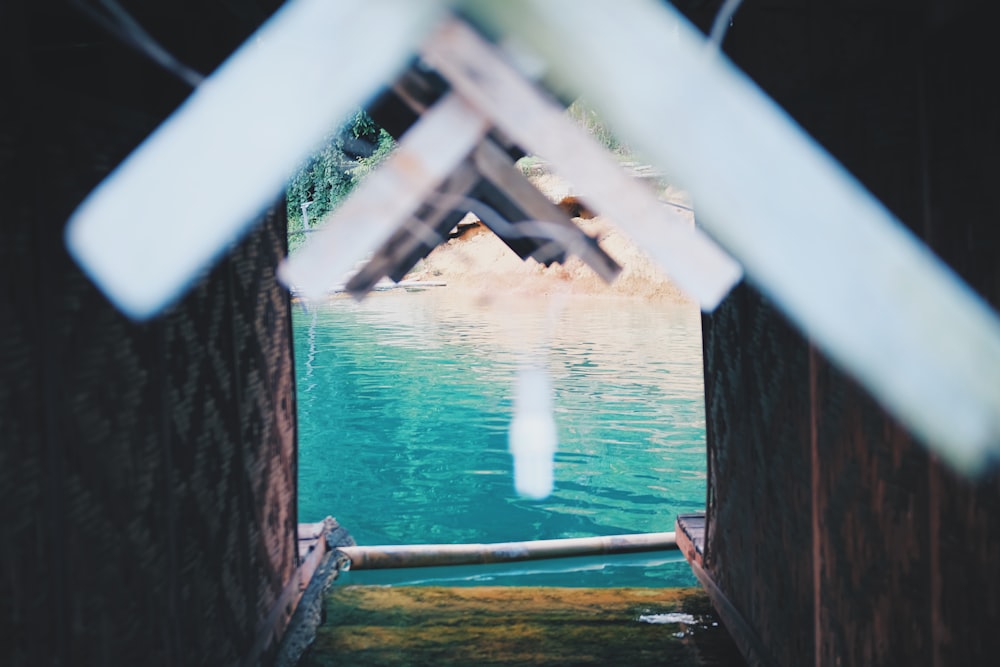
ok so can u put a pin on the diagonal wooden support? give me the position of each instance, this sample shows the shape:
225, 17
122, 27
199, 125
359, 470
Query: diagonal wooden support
478, 72
192, 188
505, 191
489, 184
497, 167
511, 196
837, 263
424, 158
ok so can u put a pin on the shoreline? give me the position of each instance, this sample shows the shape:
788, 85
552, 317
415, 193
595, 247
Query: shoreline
478, 260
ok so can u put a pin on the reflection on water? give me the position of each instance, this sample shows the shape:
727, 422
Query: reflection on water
404, 401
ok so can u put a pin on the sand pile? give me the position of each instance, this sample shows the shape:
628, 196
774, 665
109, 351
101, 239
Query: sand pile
479, 260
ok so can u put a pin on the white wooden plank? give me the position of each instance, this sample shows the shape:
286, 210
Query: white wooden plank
224, 156
445, 136
870, 295
537, 124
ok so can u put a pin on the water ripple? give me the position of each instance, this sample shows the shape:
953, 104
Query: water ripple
405, 399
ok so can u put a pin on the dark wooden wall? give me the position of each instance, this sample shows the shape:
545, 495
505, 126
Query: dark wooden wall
838, 538
147, 471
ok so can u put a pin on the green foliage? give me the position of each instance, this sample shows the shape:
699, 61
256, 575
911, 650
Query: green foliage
347, 156
357, 148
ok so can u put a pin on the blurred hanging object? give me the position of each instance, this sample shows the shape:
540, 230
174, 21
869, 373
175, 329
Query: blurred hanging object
532, 437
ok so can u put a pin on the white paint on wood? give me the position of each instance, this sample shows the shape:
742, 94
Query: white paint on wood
225, 155
851, 276
434, 147
498, 168
479, 73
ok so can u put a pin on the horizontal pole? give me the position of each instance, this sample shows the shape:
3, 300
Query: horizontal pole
430, 555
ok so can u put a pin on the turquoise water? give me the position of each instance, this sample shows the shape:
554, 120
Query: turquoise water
404, 402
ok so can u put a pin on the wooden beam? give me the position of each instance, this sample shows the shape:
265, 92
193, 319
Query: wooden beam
425, 156
420, 234
497, 167
873, 298
690, 529
478, 72
746, 638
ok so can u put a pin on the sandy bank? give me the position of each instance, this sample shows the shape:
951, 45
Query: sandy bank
479, 260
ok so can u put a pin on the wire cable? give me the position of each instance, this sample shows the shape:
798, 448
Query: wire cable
117, 21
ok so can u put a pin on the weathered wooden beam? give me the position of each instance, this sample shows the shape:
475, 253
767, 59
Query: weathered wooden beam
690, 529
428, 555
425, 156
496, 166
416, 237
198, 182
478, 72
504, 189
837, 263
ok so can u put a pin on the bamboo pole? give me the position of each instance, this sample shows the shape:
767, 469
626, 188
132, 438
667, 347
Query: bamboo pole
224, 156
429, 555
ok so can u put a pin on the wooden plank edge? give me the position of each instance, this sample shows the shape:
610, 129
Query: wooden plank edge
301, 629
291, 623
686, 544
424, 158
743, 634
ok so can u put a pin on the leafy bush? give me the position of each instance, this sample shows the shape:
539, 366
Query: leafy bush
349, 154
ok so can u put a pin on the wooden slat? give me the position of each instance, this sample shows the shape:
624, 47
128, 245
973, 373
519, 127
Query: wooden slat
836, 262
691, 542
426, 555
691, 537
538, 124
425, 156
419, 235
217, 163
750, 644
497, 167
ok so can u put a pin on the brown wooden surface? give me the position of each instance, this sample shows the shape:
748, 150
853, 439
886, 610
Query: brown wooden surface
888, 558
691, 537
755, 371
147, 472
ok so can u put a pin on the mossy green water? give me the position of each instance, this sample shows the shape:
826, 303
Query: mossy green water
373, 625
